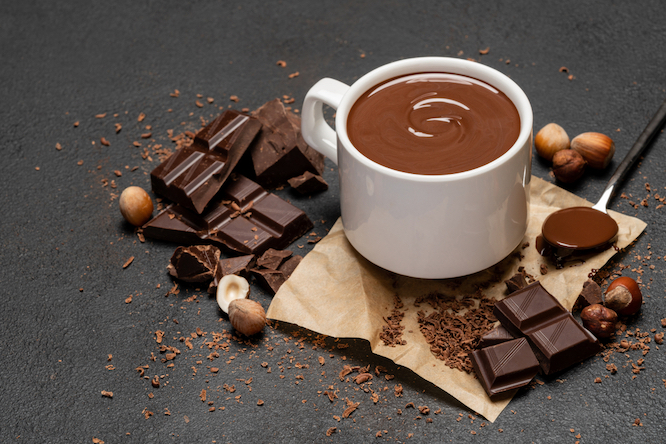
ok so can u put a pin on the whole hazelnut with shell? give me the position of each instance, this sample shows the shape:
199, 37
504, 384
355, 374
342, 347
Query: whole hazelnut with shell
597, 149
550, 139
247, 316
568, 166
136, 205
624, 296
599, 320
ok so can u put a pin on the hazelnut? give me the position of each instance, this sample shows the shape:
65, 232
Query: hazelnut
600, 320
624, 296
568, 166
231, 287
551, 139
247, 316
136, 206
597, 149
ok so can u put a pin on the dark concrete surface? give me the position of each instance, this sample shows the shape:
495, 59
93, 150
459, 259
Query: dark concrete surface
64, 243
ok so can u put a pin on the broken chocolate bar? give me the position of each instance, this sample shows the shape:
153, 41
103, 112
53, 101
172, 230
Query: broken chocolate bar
244, 218
557, 339
279, 151
505, 366
193, 175
196, 263
308, 183
272, 258
234, 265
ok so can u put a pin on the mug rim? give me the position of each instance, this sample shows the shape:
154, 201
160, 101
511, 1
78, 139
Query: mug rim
452, 65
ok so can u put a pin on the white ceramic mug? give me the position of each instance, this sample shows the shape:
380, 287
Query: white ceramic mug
425, 226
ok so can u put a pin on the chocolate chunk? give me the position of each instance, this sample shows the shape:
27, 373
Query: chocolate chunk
516, 282
495, 336
234, 265
193, 175
562, 343
279, 151
557, 339
308, 183
590, 295
194, 264
244, 218
505, 366
288, 267
528, 309
271, 280
272, 258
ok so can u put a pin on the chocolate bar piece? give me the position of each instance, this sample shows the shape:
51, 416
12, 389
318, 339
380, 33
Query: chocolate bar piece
196, 263
557, 339
234, 265
274, 268
561, 344
272, 258
590, 295
495, 336
505, 366
308, 183
279, 152
516, 282
193, 175
244, 218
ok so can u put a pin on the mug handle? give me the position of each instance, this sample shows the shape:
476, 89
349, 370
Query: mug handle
316, 132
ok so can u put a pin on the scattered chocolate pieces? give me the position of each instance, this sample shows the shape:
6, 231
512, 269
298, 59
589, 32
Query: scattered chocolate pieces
590, 295
274, 268
557, 339
495, 336
197, 263
308, 183
516, 282
279, 152
194, 174
244, 218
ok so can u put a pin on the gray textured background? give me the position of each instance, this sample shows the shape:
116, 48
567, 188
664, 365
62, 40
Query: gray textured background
61, 230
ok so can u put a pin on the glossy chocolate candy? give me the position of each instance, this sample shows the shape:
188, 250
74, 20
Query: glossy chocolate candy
193, 175
243, 218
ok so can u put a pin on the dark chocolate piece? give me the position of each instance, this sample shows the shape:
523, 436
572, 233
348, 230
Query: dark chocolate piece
516, 282
194, 264
590, 295
193, 175
505, 366
279, 151
561, 344
271, 280
528, 309
272, 258
495, 336
308, 183
557, 339
234, 265
244, 218
288, 267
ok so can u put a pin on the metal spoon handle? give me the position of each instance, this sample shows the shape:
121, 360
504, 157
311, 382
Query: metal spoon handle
634, 153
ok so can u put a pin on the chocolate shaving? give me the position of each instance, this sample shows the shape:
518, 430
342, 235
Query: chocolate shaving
308, 183
454, 328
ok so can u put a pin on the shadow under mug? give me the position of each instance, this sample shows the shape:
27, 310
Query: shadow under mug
425, 226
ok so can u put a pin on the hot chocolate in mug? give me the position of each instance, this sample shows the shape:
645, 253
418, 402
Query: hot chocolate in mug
434, 161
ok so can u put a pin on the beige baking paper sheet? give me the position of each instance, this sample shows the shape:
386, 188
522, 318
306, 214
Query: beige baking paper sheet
336, 292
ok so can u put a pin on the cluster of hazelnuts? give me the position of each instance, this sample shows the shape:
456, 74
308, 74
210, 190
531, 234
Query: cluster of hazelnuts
622, 298
571, 157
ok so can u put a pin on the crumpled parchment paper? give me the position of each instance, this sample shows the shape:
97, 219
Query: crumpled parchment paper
336, 292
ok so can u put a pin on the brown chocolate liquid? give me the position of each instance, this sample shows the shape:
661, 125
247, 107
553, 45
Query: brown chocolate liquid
576, 230
433, 123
